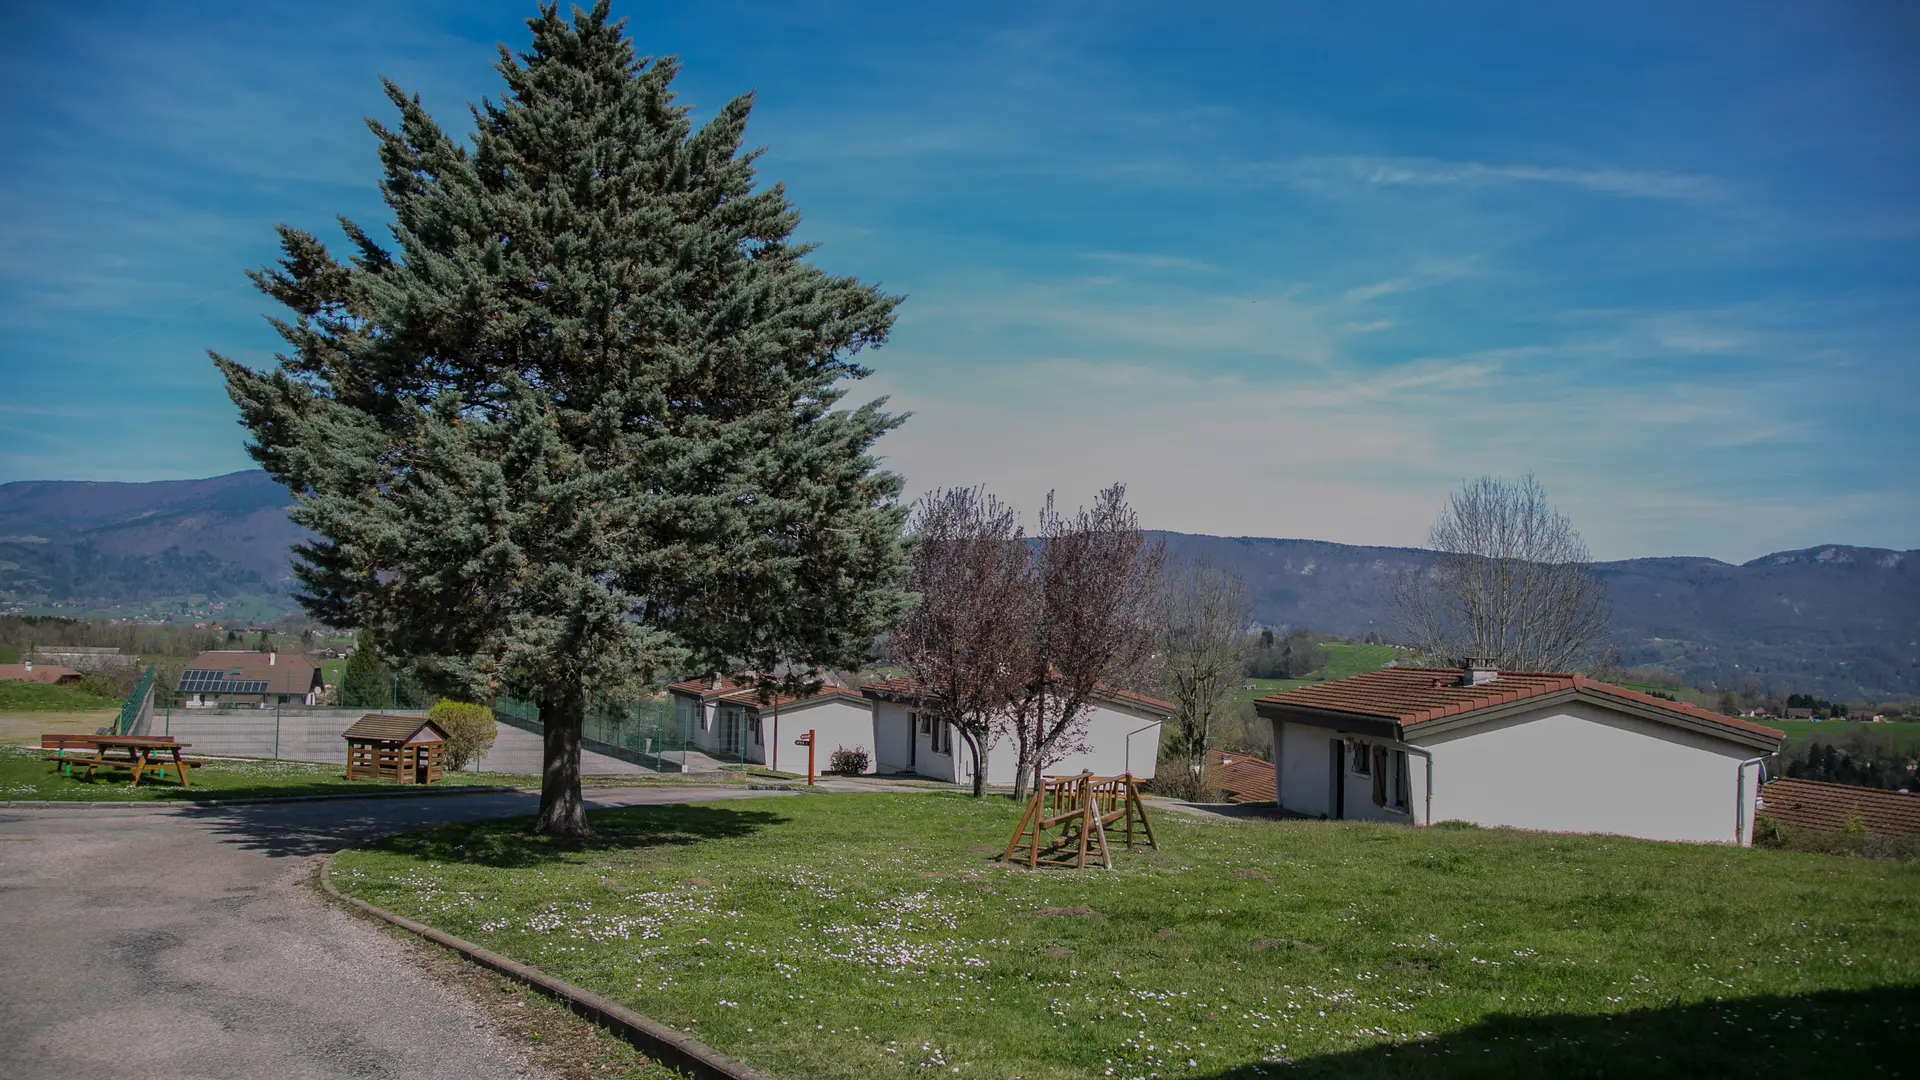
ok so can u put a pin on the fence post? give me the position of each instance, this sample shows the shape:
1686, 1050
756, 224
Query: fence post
276, 733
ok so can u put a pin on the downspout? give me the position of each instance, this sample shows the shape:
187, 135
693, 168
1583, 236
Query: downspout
1129, 744
1428, 755
1740, 795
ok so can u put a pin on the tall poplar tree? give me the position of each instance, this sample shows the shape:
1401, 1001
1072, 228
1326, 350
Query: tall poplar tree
579, 428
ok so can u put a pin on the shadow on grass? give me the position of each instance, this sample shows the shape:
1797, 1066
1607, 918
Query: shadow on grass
1831, 1033
511, 843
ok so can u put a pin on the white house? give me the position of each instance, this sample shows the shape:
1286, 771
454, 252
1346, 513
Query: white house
1535, 751
1123, 735
728, 720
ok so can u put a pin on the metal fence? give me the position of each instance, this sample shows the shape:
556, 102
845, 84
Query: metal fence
650, 734
290, 732
136, 713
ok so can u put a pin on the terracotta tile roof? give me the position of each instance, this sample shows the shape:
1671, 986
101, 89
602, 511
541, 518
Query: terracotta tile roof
705, 688
750, 697
898, 688
908, 688
1823, 807
1245, 779
1415, 696
284, 673
50, 674
379, 727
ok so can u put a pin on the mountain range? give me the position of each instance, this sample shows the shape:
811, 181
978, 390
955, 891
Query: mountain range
1834, 620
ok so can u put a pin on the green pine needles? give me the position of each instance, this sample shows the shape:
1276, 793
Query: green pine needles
580, 429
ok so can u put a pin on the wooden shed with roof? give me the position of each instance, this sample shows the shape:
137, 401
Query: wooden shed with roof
403, 749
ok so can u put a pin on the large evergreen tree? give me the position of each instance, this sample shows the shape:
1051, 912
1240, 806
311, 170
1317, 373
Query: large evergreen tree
580, 427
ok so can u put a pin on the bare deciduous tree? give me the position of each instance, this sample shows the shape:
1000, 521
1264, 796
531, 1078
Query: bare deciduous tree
1204, 655
1513, 583
1097, 581
964, 640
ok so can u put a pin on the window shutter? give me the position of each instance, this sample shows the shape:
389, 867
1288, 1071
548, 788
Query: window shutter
1379, 776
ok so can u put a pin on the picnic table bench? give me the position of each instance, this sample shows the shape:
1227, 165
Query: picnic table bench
137, 753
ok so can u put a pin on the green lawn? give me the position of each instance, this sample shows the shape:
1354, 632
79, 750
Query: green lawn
17, 696
873, 936
24, 775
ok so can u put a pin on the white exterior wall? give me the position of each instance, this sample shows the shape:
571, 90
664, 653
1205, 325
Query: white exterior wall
835, 722
892, 737
1304, 771
1581, 768
904, 748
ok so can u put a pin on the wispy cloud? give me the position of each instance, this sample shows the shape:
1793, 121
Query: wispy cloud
1370, 172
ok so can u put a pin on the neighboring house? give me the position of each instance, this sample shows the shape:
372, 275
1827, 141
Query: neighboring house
838, 717
1535, 751
46, 674
1823, 807
727, 719
1122, 735
1243, 779
1865, 715
1799, 714
244, 677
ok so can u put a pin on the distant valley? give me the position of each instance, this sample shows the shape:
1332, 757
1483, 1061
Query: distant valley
1834, 620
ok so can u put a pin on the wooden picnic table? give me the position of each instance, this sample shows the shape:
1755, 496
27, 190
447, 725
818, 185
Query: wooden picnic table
140, 752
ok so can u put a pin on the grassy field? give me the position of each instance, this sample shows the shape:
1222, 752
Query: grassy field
858, 936
21, 697
25, 775
1904, 734
1344, 658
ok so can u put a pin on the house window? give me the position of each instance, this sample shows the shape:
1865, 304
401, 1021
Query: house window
926, 722
1358, 759
1379, 775
942, 738
1399, 788
755, 725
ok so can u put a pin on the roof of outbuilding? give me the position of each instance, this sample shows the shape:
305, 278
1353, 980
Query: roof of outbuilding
1245, 779
50, 674
706, 688
750, 697
908, 688
1824, 807
1415, 696
379, 727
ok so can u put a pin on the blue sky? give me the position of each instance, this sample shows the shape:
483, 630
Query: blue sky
1287, 271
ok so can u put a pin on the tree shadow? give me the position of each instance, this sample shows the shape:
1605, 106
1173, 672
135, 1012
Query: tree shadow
511, 843
1828, 1033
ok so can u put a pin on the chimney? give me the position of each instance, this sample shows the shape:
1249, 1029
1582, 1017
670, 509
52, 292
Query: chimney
272, 657
1479, 671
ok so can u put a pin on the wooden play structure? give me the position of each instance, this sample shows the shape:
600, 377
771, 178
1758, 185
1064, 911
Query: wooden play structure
1082, 808
403, 749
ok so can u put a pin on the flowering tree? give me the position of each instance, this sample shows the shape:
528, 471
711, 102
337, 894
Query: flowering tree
964, 640
1096, 582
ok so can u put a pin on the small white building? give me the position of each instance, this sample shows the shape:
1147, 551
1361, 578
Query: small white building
1556, 752
728, 720
1123, 735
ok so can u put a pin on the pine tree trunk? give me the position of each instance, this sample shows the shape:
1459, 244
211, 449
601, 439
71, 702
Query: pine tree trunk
562, 813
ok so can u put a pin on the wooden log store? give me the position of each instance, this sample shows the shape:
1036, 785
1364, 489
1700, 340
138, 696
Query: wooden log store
403, 749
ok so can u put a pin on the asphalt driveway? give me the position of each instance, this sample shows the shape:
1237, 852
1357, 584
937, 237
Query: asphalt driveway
184, 943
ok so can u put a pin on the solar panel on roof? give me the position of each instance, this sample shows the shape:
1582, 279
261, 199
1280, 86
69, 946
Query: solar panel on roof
196, 681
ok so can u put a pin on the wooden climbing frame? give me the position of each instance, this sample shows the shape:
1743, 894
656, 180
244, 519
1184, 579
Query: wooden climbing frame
1081, 807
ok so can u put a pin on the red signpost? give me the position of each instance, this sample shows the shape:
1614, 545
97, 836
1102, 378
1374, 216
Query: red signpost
807, 741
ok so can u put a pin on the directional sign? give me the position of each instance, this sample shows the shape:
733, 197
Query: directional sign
804, 740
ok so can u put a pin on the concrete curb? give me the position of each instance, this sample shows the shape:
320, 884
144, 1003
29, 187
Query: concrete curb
176, 804
658, 1041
